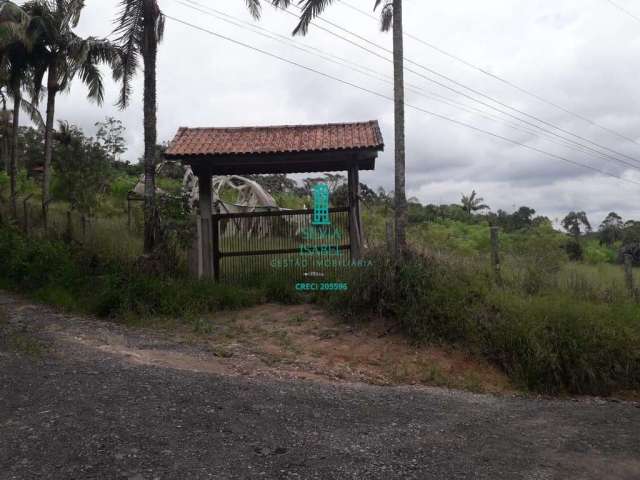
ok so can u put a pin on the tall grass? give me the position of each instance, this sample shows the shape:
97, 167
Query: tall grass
76, 278
550, 340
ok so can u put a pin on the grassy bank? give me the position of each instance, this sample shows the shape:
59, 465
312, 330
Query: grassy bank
77, 279
553, 327
548, 339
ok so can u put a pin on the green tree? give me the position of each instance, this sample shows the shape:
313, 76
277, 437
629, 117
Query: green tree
16, 45
391, 19
611, 229
472, 203
62, 55
110, 135
575, 223
140, 27
82, 168
631, 232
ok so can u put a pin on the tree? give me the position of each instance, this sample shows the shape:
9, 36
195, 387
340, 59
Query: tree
473, 203
82, 168
110, 135
631, 232
62, 55
140, 27
15, 64
611, 229
391, 18
523, 218
575, 222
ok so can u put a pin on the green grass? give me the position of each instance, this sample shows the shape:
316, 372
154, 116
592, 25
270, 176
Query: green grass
76, 278
550, 340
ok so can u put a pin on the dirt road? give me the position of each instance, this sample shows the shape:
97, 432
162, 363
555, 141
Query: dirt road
73, 407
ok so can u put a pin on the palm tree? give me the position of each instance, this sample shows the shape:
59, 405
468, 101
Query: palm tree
62, 55
391, 18
473, 203
140, 27
15, 58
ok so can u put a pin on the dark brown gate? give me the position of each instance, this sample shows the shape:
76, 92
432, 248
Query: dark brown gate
280, 243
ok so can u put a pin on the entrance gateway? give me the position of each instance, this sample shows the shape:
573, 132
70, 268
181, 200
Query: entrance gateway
336, 147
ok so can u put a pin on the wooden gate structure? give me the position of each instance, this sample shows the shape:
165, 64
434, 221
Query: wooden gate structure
349, 147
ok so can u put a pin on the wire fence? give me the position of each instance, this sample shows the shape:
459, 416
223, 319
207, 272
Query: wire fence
113, 236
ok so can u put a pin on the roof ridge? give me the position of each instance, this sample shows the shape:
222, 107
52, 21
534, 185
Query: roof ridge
271, 139
300, 125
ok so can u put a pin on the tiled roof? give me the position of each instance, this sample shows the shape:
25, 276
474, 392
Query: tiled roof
276, 139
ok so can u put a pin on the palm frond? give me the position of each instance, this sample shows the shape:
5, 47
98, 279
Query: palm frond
254, 8
386, 17
129, 30
31, 110
310, 10
160, 23
91, 76
73, 9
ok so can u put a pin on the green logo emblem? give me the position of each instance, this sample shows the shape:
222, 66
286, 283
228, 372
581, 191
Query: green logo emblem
321, 205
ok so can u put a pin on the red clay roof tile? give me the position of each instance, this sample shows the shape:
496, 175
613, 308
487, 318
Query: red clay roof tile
275, 139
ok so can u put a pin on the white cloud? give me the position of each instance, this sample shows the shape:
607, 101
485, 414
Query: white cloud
581, 54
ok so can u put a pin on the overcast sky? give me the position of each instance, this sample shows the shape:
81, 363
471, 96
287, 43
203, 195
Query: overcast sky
580, 54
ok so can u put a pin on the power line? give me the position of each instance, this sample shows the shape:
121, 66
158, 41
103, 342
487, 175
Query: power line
363, 70
445, 86
622, 9
499, 78
455, 83
381, 95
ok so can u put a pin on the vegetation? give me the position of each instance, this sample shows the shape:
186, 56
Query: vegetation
555, 340
561, 318
390, 19
55, 272
62, 55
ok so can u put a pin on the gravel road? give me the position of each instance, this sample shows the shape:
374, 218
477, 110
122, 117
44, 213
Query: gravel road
79, 412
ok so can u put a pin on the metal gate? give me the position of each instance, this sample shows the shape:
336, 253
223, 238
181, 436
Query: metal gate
283, 243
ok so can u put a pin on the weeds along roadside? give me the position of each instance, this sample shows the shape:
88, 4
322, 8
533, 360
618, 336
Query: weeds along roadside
538, 330
77, 279
535, 326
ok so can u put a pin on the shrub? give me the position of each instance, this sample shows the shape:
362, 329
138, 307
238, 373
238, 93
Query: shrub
555, 344
574, 250
430, 297
53, 272
551, 342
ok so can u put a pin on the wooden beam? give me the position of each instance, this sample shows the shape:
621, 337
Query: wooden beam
288, 162
355, 238
206, 244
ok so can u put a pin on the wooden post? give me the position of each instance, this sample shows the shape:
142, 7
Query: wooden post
495, 252
390, 236
204, 183
25, 206
355, 238
215, 234
69, 226
83, 220
628, 273
128, 212
195, 252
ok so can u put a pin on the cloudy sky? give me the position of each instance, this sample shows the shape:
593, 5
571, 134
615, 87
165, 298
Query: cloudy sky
579, 54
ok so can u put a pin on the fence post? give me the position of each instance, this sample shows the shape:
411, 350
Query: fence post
390, 236
69, 226
83, 220
215, 234
495, 252
25, 206
128, 213
628, 273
